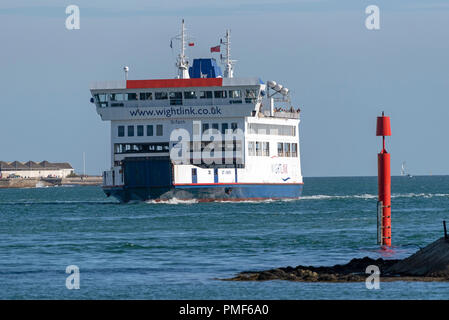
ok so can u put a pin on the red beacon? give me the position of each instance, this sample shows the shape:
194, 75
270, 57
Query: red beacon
384, 184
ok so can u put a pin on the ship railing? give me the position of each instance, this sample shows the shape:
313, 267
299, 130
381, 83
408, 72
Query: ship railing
282, 114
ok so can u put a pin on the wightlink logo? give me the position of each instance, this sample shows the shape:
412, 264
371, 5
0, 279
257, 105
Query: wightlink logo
175, 111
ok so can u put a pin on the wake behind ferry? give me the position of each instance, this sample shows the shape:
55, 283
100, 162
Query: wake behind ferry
202, 135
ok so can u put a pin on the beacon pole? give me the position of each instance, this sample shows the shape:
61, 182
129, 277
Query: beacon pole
384, 184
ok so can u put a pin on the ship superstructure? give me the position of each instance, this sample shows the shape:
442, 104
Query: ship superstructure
201, 135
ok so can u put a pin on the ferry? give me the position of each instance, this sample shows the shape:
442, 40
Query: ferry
201, 135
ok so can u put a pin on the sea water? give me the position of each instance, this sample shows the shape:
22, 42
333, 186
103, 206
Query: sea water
178, 250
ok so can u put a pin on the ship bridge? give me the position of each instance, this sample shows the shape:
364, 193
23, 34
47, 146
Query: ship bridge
178, 98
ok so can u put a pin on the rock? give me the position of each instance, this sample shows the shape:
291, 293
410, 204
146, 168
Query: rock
266, 275
428, 264
279, 273
433, 260
327, 277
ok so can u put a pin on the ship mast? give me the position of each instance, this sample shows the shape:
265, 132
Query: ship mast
226, 60
182, 63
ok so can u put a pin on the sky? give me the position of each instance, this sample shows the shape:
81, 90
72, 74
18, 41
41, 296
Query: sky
340, 74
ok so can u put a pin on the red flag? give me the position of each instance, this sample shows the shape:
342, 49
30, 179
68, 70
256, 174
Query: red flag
191, 44
215, 49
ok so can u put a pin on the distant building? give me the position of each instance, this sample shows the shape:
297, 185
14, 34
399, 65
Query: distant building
33, 169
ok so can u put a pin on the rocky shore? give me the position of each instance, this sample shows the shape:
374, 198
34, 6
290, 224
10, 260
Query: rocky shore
428, 264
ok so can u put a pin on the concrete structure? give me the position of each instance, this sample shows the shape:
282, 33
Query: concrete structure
33, 169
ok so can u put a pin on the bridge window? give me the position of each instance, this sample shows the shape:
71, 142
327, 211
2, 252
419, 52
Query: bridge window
121, 131
140, 131
116, 97
189, 95
159, 131
130, 96
220, 94
215, 126
250, 95
205, 94
150, 130
101, 99
146, 96
130, 131
175, 98
161, 96
234, 125
235, 94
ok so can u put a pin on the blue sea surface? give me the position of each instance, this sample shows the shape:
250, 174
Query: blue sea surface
177, 250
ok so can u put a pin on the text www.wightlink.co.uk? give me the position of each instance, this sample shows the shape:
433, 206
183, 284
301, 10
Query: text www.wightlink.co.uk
169, 112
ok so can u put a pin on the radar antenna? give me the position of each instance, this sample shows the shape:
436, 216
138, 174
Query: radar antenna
226, 59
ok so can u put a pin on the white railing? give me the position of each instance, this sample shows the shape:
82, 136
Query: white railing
282, 114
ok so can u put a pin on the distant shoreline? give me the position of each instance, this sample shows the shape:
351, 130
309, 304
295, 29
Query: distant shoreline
18, 183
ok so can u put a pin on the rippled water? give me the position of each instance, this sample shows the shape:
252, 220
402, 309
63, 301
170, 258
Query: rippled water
175, 250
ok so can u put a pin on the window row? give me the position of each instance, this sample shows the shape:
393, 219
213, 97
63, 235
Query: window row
131, 130
271, 129
287, 149
235, 145
141, 147
176, 97
258, 148
216, 126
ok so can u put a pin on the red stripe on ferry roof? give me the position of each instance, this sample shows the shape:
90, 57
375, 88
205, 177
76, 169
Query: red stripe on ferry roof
174, 83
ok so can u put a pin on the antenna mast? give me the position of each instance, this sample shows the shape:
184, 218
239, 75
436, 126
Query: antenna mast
182, 63
226, 60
